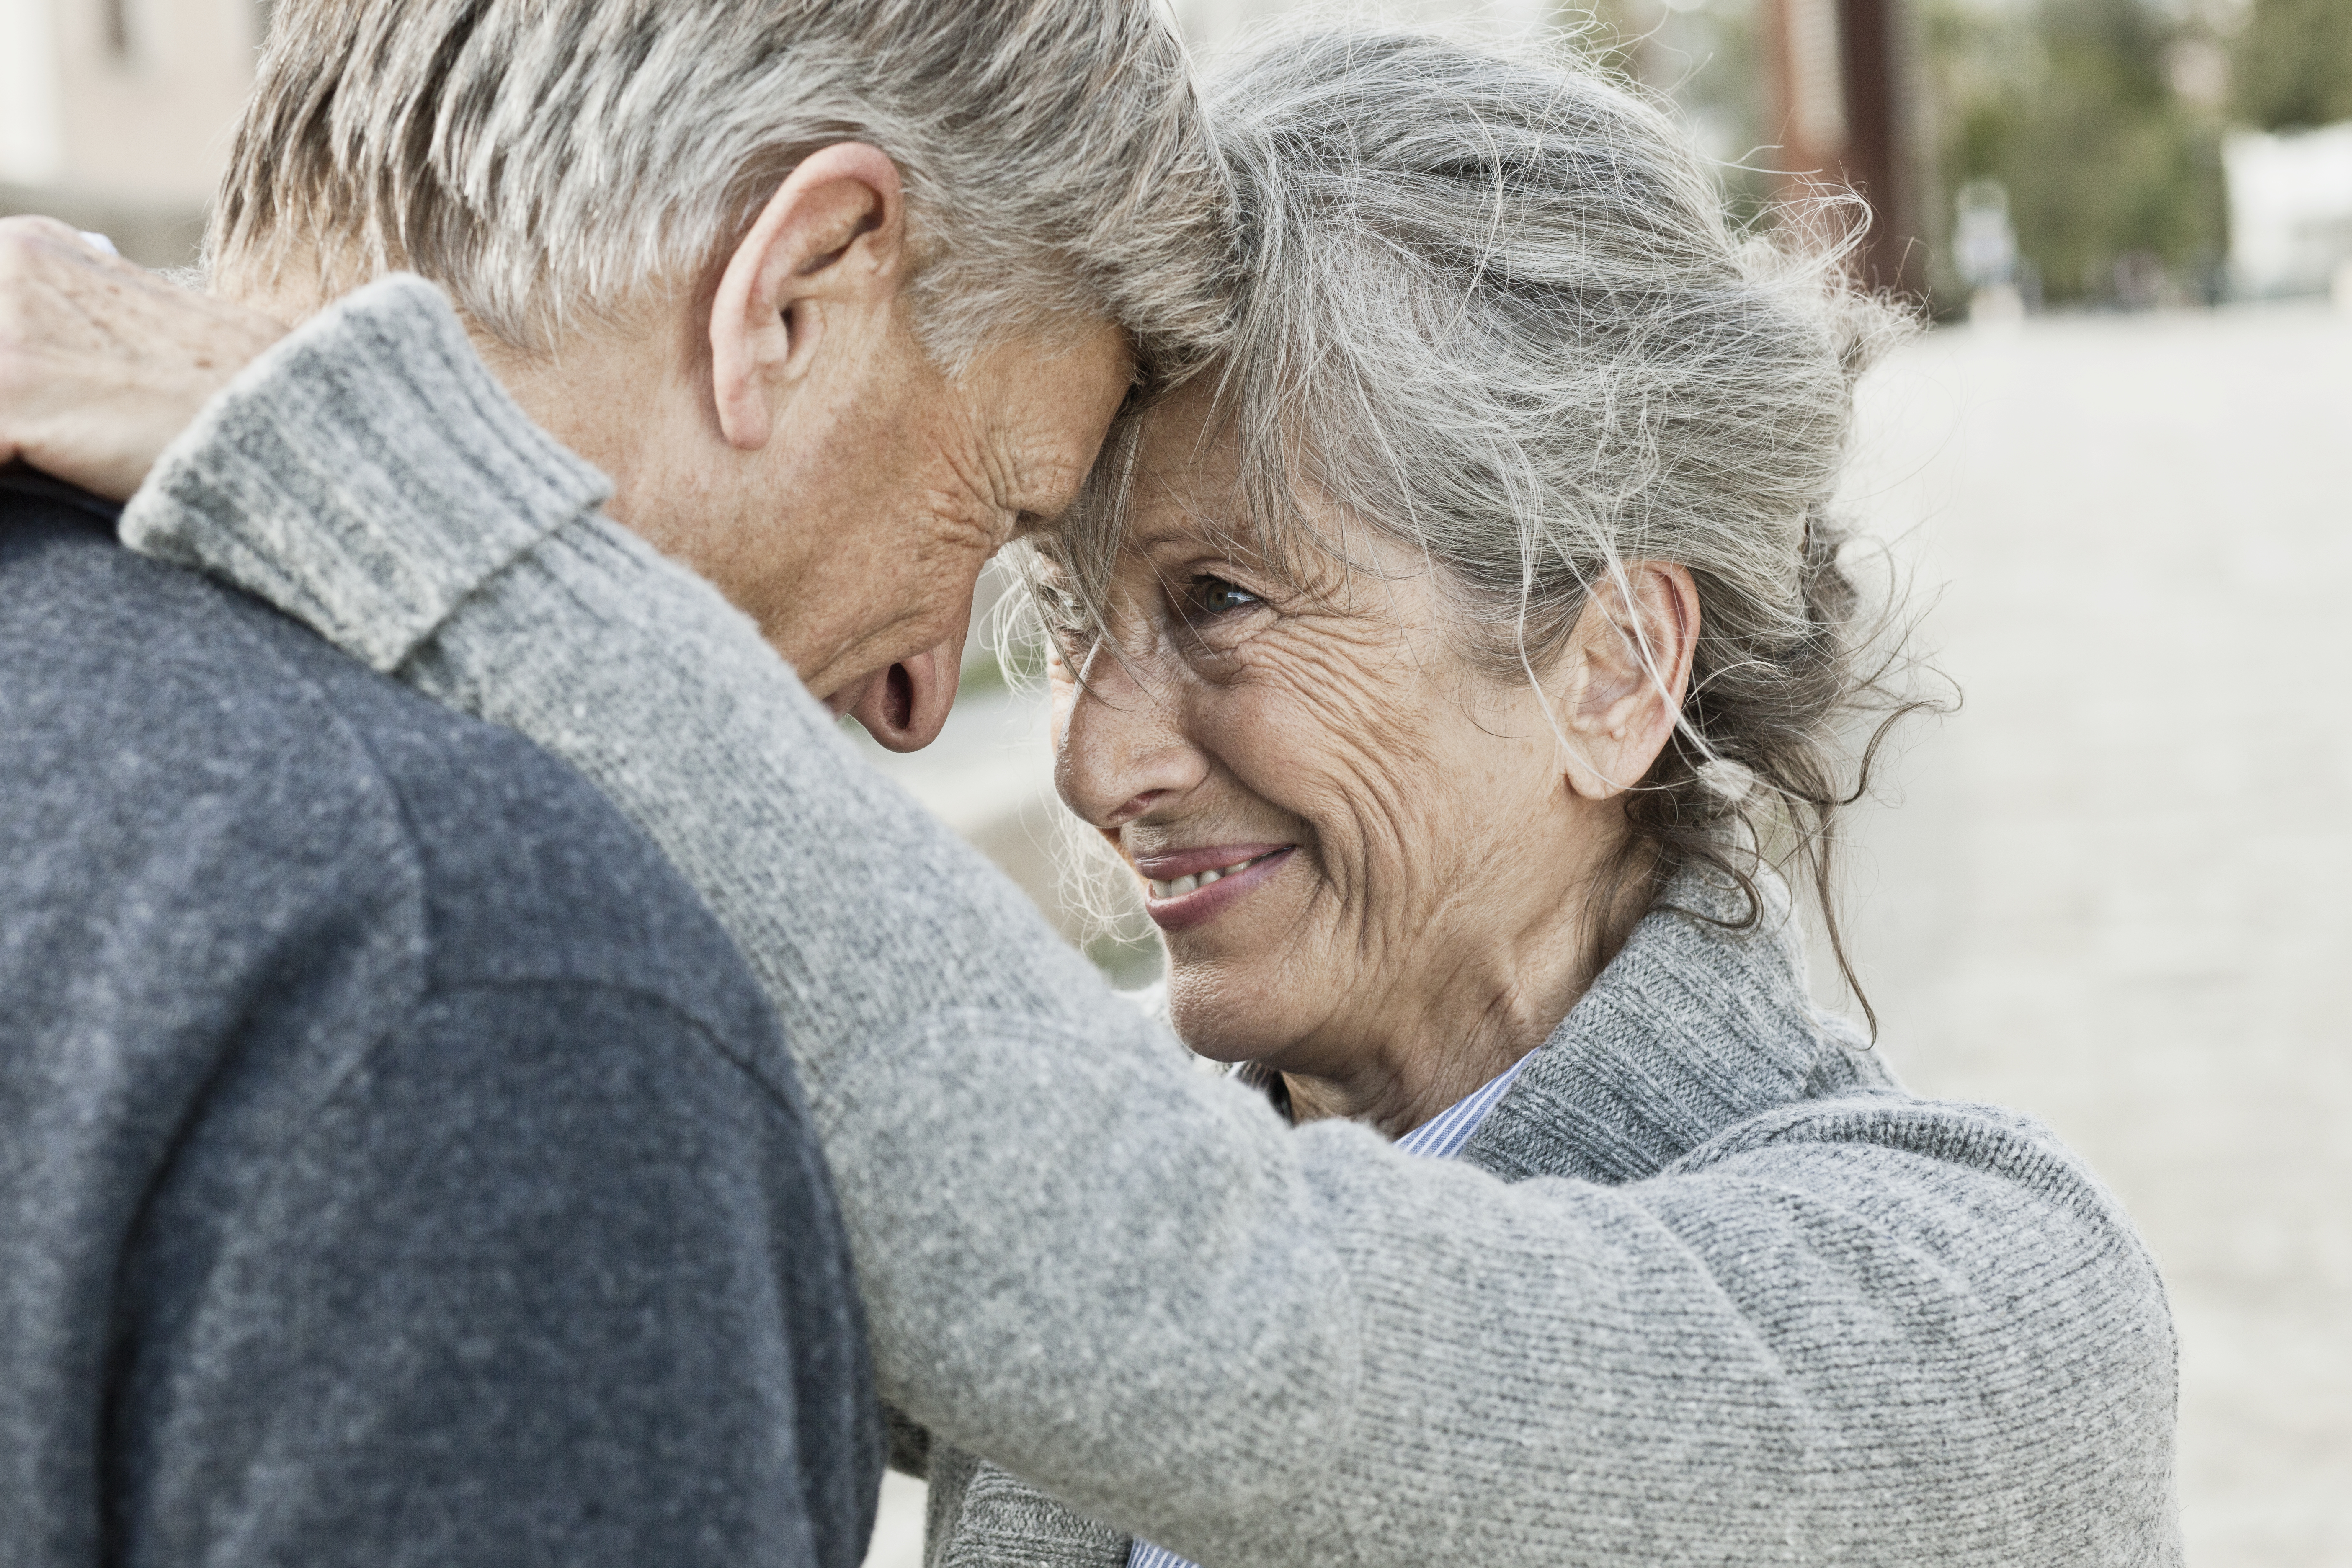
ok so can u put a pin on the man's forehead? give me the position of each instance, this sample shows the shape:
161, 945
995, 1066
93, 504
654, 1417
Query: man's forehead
1064, 364
1050, 406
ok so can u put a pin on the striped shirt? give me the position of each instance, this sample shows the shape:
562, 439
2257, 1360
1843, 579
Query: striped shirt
1439, 1138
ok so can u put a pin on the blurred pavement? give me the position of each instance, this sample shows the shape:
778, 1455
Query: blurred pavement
2118, 891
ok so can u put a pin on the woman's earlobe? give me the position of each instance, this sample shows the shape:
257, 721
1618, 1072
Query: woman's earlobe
1588, 775
1587, 782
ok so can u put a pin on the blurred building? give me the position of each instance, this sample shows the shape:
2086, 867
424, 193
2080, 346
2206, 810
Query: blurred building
2290, 210
1842, 98
115, 114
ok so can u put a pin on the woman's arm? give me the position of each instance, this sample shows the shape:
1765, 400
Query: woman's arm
1026, 1162
1859, 1329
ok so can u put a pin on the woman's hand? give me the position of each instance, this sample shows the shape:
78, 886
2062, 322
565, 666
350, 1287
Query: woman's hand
102, 362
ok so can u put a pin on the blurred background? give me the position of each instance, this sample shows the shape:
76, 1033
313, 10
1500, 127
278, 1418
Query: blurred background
2116, 478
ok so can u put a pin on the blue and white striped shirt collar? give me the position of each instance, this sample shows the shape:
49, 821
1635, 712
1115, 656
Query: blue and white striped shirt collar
1442, 1136
1439, 1138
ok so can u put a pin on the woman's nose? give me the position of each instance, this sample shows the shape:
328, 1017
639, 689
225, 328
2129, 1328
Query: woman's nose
1120, 747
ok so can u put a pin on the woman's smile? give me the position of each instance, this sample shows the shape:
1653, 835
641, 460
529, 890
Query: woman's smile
1186, 887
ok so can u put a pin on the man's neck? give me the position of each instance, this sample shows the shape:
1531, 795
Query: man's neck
602, 391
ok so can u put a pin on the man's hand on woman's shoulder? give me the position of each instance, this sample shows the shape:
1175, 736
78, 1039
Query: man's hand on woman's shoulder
102, 362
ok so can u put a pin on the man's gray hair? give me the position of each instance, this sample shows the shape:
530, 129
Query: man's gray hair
1491, 305
551, 160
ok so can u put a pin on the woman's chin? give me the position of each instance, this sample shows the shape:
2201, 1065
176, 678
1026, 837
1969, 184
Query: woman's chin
1222, 1013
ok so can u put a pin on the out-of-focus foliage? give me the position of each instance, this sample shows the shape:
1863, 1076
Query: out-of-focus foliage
1707, 55
2101, 120
2293, 64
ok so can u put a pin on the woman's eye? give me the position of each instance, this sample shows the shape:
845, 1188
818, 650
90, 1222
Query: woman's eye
1068, 642
1215, 597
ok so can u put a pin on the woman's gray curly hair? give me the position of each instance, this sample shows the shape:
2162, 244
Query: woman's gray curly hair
1491, 305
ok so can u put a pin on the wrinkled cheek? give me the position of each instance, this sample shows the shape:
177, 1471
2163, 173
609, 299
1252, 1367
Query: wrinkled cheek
1361, 849
1396, 882
1385, 806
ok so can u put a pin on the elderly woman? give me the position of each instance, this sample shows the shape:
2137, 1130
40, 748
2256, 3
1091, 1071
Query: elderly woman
1443, 667
1440, 665
1482, 599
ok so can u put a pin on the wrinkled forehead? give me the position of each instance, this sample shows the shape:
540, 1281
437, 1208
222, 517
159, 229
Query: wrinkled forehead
1182, 487
1204, 471
1186, 479
1034, 410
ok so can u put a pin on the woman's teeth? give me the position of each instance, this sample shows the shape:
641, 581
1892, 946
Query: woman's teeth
1179, 887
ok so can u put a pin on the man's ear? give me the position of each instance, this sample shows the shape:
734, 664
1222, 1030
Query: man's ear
1628, 666
832, 239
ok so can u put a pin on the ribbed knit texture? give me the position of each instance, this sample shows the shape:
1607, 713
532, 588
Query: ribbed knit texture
1440, 1138
1790, 1318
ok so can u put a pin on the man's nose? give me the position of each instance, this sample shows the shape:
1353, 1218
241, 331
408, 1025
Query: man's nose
906, 706
1120, 747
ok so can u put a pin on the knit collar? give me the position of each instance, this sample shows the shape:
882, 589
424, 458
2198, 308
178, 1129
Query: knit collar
1695, 1025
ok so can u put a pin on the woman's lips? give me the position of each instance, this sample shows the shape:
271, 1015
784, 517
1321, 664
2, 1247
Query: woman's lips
1189, 886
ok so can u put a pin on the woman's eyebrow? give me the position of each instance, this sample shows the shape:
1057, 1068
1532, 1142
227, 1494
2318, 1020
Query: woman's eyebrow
1166, 540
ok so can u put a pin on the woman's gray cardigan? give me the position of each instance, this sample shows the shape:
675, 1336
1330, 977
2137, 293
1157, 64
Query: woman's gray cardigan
1702, 1011
1697, 1019
1745, 1306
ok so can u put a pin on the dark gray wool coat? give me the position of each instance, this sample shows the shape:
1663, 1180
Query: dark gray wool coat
398, 1165
1708, 1289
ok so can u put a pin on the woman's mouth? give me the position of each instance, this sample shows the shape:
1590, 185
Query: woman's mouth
1186, 887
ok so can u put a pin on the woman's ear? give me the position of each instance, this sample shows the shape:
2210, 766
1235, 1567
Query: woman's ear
1626, 670
830, 242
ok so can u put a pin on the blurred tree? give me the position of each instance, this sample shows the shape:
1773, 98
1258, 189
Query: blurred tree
2294, 64
2114, 178
1706, 56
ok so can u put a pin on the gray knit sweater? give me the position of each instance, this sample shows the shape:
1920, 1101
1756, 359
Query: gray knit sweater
1743, 1305
1693, 1023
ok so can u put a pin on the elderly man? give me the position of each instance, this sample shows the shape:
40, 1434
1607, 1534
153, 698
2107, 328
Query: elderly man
400, 1165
